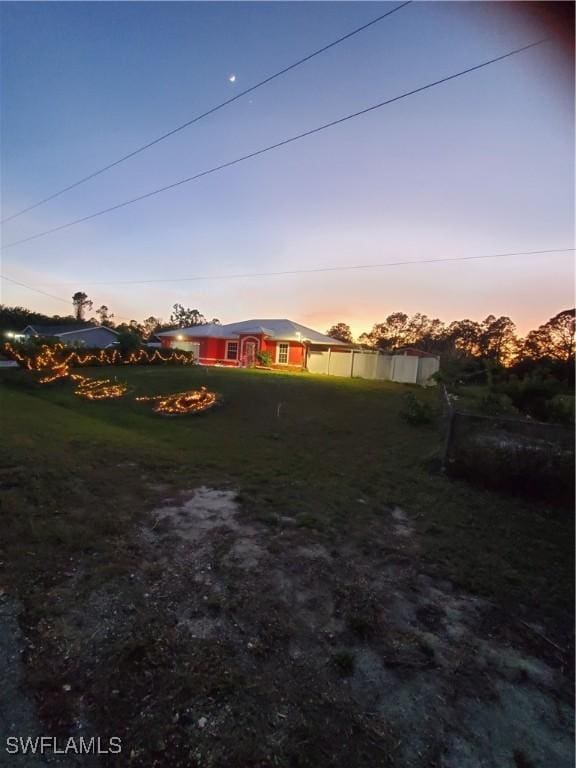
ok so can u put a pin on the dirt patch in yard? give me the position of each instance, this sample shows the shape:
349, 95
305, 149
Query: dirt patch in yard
233, 643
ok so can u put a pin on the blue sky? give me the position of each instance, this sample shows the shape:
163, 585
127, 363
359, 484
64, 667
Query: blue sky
478, 166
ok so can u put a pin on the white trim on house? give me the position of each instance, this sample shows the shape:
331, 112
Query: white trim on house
255, 339
280, 344
235, 341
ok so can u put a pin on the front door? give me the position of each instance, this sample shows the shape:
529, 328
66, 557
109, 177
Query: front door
250, 352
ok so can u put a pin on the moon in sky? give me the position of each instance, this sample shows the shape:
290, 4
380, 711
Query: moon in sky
232, 78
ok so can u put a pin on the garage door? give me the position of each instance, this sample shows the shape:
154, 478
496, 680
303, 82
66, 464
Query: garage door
188, 346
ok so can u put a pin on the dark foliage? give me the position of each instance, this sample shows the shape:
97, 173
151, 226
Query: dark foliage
416, 411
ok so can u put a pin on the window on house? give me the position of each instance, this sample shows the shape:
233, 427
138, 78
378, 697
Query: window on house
283, 353
232, 350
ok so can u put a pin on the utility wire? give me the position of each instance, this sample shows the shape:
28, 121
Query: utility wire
301, 271
31, 288
211, 111
44, 293
292, 272
313, 270
278, 144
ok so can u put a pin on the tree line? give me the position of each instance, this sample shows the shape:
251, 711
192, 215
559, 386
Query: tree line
18, 318
494, 340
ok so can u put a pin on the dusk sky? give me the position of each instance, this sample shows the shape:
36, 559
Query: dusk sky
477, 166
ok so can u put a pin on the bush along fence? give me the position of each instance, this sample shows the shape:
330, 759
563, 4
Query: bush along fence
520, 456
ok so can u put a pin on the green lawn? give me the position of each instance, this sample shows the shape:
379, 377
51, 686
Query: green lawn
138, 628
329, 452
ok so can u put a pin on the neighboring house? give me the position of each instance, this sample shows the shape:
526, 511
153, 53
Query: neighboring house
288, 343
82, 334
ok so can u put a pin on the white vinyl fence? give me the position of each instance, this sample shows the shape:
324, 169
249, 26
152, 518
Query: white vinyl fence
365, 364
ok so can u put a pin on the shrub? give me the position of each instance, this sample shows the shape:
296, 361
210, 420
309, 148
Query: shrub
31, 346
264, 358
518, 465
531, 394
416, 411
455, 371
560, 409
494, 404
95, 357
128, 342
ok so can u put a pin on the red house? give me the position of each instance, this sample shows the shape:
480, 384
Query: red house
238, 344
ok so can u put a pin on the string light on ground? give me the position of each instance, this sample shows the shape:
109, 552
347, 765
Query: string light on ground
47, 360
55, 362
59, 371
99, 389
193, 401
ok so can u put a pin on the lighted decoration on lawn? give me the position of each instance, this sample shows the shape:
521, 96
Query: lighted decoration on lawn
193, 401
46, 361
98, 389
58, 371
51, 355
90, 389
54, 366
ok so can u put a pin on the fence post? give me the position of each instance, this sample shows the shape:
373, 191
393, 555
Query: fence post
450, 413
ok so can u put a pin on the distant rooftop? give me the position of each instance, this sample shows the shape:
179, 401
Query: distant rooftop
59, 330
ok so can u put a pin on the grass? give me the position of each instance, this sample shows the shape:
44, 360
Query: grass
335, 456
77, 479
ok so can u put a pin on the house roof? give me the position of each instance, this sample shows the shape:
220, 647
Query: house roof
412, 351
62, 330
212, 330
282, 330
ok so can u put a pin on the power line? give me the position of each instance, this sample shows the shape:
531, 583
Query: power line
51, 295
313, 270
278, 144
210, 111
31, 288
